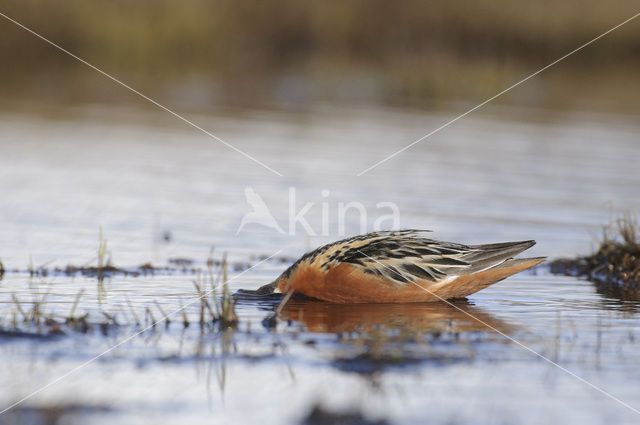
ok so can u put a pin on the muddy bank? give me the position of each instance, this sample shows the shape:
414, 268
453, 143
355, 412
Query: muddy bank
615, 266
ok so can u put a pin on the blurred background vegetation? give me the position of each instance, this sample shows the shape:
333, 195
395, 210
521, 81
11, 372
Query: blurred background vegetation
199, 54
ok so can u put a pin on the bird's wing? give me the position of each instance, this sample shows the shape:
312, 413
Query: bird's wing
406, 256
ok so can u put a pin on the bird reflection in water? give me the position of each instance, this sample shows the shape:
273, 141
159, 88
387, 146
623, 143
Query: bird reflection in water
373, 337
458, 316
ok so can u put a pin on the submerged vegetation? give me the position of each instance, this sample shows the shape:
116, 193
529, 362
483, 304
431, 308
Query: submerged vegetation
33, 322
615, 264
223, 314
28, 319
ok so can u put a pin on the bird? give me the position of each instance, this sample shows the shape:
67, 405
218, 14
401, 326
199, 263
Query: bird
401, 266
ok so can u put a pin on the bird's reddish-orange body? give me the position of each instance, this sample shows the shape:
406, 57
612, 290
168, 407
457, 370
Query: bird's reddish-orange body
346, 284
400, 267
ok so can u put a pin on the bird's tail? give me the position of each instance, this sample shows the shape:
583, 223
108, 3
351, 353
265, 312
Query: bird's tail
468, 284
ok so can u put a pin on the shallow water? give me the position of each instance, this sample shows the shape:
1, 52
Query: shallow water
162, 191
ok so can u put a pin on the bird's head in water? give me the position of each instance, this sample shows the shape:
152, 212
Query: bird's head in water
268, 288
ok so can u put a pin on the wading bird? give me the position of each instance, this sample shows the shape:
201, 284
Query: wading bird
399, 266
